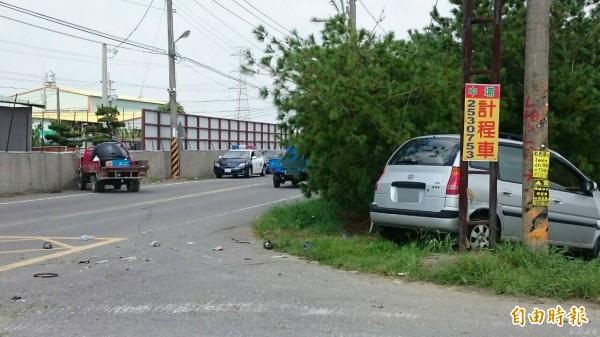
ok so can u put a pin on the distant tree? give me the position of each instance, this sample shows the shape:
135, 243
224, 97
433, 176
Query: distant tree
167, 108
65, 133
37, 138
108, 124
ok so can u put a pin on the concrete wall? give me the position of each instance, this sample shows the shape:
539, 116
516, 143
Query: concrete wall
51, 172
36, 172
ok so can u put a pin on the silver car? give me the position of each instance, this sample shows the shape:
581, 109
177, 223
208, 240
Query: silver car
419, 190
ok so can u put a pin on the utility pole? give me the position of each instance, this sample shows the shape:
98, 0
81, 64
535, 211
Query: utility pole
352, 14
104, 76
172, 95
57, 104
536, 159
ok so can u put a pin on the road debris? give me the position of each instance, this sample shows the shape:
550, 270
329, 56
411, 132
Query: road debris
154, 244
130, 258
100, 262
239, 241
218, 248
17, 298
45, 275
280, 256
84, 261
268, 245
307, 245
47, 245
190, 242
86, 238
402, 274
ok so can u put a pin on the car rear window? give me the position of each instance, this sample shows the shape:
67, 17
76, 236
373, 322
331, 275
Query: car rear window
434, 151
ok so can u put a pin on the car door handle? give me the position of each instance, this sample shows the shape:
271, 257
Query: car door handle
557, 201
507, 193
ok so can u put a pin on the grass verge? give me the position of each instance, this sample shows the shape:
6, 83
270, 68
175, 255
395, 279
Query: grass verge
312, 230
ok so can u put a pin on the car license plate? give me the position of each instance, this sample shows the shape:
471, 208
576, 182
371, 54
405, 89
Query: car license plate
227, 170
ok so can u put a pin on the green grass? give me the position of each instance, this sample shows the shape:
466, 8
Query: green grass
510, 269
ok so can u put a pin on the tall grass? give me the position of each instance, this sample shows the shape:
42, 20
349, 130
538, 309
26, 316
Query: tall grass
312, 230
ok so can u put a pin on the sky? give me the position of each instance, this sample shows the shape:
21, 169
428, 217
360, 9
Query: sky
219, 29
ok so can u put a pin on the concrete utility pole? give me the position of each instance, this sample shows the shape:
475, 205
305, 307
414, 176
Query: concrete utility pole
536, 158
57, 104
352, 14
104, 76
173, 92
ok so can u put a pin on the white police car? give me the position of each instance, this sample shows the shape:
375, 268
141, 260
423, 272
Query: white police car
240, 161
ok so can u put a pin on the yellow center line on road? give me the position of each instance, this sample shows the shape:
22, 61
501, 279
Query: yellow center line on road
18, 240
74, 249
28, 250
129, 206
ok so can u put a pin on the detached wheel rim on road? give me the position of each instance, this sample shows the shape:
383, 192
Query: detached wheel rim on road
479, 237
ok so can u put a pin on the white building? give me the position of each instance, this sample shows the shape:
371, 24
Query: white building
81, 105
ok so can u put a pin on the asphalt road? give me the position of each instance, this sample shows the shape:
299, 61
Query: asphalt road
117, 284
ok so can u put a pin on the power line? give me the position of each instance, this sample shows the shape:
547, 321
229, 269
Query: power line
143, 5
108, 36
209, 68
377, 22
239, 17
136, 27
254, 15
39, 77
80, 28
266, 16
226, 25
150, 57
201, 74
206, 26
62, 52
75, 36
201, 31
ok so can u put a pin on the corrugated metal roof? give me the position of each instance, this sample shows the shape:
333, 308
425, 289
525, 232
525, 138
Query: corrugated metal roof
96, 94
11, 100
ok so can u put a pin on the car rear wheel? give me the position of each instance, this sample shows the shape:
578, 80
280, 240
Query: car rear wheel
479, 237
276, 181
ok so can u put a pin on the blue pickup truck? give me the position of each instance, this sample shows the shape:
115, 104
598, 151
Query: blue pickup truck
291, 167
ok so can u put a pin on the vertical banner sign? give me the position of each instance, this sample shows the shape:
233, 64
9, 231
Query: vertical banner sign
482, 119
541, 186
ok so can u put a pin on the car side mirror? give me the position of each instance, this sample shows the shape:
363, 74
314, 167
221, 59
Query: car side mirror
220, 157
590, 186
254, 157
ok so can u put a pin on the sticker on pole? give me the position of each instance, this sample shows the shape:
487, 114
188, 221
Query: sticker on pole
541, 192
481, 124
541, 162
